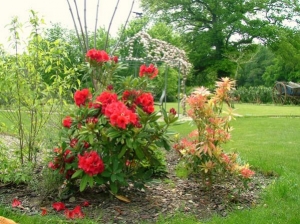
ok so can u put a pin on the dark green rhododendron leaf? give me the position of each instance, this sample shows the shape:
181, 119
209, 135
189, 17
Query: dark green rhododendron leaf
83, 182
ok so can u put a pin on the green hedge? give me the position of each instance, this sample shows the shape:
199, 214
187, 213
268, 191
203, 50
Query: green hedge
254, 94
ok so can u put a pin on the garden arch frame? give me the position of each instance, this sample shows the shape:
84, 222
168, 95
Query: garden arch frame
158, 52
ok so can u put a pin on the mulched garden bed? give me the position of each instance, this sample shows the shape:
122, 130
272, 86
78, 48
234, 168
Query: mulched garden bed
161, 197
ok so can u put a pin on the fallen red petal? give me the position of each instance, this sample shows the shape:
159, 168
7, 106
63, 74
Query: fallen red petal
15, 203
44, 211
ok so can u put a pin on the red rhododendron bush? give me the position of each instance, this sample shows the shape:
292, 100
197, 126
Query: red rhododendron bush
113, 135
201, 150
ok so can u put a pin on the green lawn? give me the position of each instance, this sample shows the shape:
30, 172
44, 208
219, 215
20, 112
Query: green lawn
248, 110
267, 137
267, 110
270, 144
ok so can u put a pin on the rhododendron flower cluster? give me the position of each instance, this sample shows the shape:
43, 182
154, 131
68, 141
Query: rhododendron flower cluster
151, 71
146, 101
104, 99
91, 163
119, 115
81, 97
97, 56
137, 98
67, 122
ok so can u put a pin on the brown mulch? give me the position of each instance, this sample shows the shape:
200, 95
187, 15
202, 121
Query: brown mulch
163, 197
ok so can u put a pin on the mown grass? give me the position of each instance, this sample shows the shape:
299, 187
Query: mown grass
270, 145
266, 110
267, 137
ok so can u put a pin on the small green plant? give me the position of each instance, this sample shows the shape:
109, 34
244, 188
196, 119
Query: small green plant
10, 168
28, 99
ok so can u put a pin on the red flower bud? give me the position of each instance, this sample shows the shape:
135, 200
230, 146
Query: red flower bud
173, 111
115, 59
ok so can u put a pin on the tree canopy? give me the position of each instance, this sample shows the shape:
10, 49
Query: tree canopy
216, 28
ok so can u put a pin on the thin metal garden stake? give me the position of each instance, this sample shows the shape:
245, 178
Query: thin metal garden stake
95, 31
124, 27
80, 24
112, 18
76, 29
85, 26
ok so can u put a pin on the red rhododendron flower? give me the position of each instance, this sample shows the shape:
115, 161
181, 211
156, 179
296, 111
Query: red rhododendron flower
15, 203
58, 206
67, 122
151, 71
91, 163
146, 101
129, 97
104, 99
81, 97
98, 56
119, 115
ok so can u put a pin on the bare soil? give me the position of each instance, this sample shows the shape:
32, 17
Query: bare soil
162, 197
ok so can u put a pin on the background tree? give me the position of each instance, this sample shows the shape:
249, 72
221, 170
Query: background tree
214, 28
252, 72
285, 66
